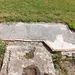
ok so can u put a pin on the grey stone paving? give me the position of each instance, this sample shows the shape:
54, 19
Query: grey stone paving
15, 61
56, 35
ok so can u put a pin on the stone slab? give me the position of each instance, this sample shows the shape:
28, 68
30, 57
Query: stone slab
15, 60
58, 36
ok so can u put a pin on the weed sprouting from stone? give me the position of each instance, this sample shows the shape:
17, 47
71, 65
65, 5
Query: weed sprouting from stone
30, 55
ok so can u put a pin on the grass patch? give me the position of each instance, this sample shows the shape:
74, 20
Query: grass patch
2, 51
72, 27
72, 60
57, 59
38, 11
30, 54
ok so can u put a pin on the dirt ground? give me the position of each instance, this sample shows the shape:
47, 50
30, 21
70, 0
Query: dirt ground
70, 68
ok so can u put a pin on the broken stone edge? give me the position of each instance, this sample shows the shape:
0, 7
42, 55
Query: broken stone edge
54, 50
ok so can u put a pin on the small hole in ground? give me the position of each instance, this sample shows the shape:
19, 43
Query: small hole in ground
45, 74
31, 70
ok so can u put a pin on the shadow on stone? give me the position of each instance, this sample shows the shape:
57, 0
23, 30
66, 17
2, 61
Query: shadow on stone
45, 74
45, 45
31, 70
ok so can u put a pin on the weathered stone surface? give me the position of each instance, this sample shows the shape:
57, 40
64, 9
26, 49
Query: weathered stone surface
56, 35
17, 63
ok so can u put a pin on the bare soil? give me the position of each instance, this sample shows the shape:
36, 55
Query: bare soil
69, 67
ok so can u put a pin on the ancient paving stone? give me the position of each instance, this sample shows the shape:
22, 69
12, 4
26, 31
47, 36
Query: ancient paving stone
17, 64
55, 34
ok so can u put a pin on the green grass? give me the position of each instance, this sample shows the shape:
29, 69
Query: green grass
72, 26
2, 51
57, 58
57, 62
38, 11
